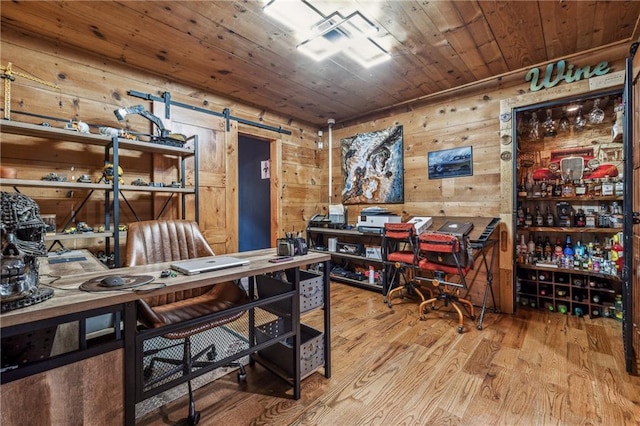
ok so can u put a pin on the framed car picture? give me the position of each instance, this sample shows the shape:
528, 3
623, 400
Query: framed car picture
452, 162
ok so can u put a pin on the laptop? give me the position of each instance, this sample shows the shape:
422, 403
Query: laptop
457, 228
207, 264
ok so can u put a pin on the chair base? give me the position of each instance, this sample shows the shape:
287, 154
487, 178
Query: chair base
186, 364
410, 287
449, 297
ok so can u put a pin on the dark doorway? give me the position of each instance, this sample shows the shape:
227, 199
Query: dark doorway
254, 207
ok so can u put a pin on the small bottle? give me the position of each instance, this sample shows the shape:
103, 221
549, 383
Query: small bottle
539, 218
539, 248
580, 219
528, 218
568, 187
618, 187
581, 189
619, 307
607, 186
522, 251
562, 309
568, 247
548, 250
549, 219
557, 189
520, 216
372, 275
537, 189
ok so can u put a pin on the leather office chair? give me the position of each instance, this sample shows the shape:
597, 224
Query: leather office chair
448, 261
169, 240
399, 261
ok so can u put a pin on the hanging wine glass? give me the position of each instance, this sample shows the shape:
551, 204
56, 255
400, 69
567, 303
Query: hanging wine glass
580, 121
596, 115
564, 121
534, 124
549, 125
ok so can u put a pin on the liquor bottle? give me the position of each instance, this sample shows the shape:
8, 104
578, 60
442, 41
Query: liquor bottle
543, 188
531, 249
607, 186
539, 218
548, 250
520, 217
539, 248
580, 220
557, 189
549, 220
528, 218
581, 188
597, 187
617, 252
550, 188
618, 187
522, 251
568, 247
537, 189
562, 309
568, 188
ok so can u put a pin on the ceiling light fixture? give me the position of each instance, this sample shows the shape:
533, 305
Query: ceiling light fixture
324, 36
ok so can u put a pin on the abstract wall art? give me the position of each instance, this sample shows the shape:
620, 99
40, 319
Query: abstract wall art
372, 167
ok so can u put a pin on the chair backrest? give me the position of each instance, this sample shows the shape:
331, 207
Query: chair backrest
156, 241
445, 249
396, 234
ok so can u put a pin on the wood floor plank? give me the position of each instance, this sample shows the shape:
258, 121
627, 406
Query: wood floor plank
390, 368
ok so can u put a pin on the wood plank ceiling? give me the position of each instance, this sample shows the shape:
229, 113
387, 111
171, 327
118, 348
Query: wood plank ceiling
233, 48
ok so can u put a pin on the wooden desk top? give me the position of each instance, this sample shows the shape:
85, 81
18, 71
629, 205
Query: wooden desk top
68, 298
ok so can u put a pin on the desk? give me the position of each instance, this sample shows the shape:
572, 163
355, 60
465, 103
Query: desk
72, 304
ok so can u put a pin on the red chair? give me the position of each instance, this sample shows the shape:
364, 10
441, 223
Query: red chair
399, 261
447, 260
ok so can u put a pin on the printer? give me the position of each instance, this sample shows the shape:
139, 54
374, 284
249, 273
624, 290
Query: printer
372, 219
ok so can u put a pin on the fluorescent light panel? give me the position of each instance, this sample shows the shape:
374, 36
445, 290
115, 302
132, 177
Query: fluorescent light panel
326, 36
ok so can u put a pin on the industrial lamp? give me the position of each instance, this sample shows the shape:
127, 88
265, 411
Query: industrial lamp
165, 137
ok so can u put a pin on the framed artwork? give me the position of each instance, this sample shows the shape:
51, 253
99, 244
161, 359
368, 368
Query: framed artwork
372, 167
452, 162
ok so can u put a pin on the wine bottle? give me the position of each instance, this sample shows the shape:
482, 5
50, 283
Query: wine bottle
528, 218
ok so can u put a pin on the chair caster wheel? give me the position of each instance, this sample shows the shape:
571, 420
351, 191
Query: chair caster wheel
389, 305
479, 327
460, 329
473, 317
242, 377
194, 419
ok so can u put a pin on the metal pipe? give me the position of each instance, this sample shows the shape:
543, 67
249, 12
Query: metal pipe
330, 122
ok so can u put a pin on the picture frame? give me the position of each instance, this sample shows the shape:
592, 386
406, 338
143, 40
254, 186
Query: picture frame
453, 162
372, 167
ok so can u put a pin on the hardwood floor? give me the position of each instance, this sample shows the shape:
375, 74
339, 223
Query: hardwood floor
390, 368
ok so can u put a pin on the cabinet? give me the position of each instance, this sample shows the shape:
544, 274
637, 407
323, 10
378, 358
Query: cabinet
110, 192
569, 201
355, 253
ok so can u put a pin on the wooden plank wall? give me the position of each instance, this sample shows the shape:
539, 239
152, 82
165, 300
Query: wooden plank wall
91, 89
468, 116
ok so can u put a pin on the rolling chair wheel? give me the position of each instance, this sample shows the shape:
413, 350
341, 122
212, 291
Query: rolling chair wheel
473, 317
242, 377
479, 327
460, 329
